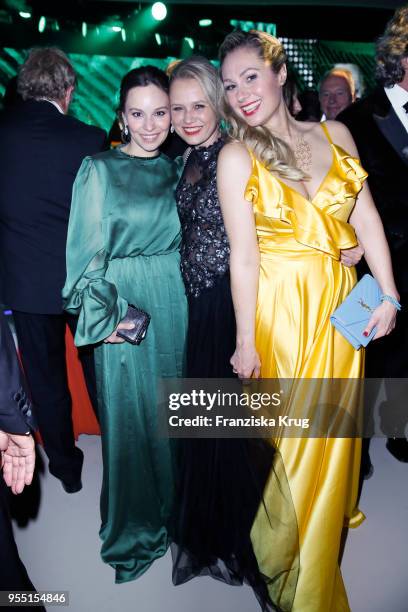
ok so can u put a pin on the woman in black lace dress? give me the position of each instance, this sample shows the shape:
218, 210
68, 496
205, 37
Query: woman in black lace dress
220, 489
205, 249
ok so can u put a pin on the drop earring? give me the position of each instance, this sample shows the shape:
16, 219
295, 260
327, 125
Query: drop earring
171, 129
126, 130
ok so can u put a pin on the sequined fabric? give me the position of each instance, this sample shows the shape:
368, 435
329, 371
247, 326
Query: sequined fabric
205, 249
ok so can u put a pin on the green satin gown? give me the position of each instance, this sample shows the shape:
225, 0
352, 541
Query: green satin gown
123, 247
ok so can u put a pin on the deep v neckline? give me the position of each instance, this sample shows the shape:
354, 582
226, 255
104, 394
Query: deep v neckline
324, 179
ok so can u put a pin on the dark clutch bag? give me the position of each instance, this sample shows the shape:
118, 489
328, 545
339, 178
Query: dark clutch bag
140, 320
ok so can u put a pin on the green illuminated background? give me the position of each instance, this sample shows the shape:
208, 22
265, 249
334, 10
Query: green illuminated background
99, 76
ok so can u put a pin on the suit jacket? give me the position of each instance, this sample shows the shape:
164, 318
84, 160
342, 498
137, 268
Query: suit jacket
382, 143
40, 153
15, 407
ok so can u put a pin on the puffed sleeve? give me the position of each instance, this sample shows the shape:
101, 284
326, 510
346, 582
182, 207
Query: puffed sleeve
86, 292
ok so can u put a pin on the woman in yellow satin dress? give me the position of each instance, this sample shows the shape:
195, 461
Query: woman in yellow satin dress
288, 192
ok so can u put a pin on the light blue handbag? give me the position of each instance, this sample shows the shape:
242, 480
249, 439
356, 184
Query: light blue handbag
352, 316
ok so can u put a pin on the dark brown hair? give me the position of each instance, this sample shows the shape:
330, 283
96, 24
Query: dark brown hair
139, 77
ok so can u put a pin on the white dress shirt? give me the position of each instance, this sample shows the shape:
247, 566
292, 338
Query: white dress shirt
398, 96
54, 103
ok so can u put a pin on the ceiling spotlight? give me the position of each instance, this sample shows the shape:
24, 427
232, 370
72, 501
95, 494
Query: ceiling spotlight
41, 24
159, 11
189, 41
204, 23
116, 28
84, 29
25, 14
158, 38
123, 34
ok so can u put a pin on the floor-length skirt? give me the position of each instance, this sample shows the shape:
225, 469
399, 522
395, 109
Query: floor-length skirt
299, 288
138, 478
221, 481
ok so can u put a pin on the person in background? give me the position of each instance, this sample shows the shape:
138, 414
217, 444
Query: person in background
17, 458
379, 125
358, 77
336, 92
309, 101
42, 149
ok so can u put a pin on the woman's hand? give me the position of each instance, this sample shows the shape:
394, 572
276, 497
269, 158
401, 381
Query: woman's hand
113, 338
351, 257
383, 318
245, 362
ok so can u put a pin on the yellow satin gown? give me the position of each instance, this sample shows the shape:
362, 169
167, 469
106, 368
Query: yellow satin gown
301, 283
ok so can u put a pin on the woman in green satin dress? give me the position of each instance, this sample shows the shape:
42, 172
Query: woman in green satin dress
123, 248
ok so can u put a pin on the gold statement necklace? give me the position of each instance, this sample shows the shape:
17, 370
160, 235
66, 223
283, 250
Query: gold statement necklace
303, 154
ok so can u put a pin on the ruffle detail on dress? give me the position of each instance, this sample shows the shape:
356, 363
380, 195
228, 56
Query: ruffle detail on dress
315, 228
312, 225
252, 187
352, 168
99, 306
344, 185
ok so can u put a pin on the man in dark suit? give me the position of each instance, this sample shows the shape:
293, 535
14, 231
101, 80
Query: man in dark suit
17, 447
379, 125
40, 154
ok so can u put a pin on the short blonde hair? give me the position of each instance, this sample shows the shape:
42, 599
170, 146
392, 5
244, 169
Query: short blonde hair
201, 69
342, 73
46, 73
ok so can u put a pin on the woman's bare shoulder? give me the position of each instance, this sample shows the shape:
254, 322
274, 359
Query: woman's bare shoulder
233, 153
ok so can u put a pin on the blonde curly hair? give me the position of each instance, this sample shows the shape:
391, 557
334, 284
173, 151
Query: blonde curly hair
272, 151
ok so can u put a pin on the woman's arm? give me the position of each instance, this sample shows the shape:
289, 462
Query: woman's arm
233, 171
370, 233
86, 291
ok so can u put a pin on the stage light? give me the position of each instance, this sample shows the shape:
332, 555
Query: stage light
123, 34
25, 14
204, 23
189, 41
159, 11
158, 38
84, 29
41, 24
116, 28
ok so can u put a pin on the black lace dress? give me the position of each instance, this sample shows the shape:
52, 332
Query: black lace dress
205, 267
221, 481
